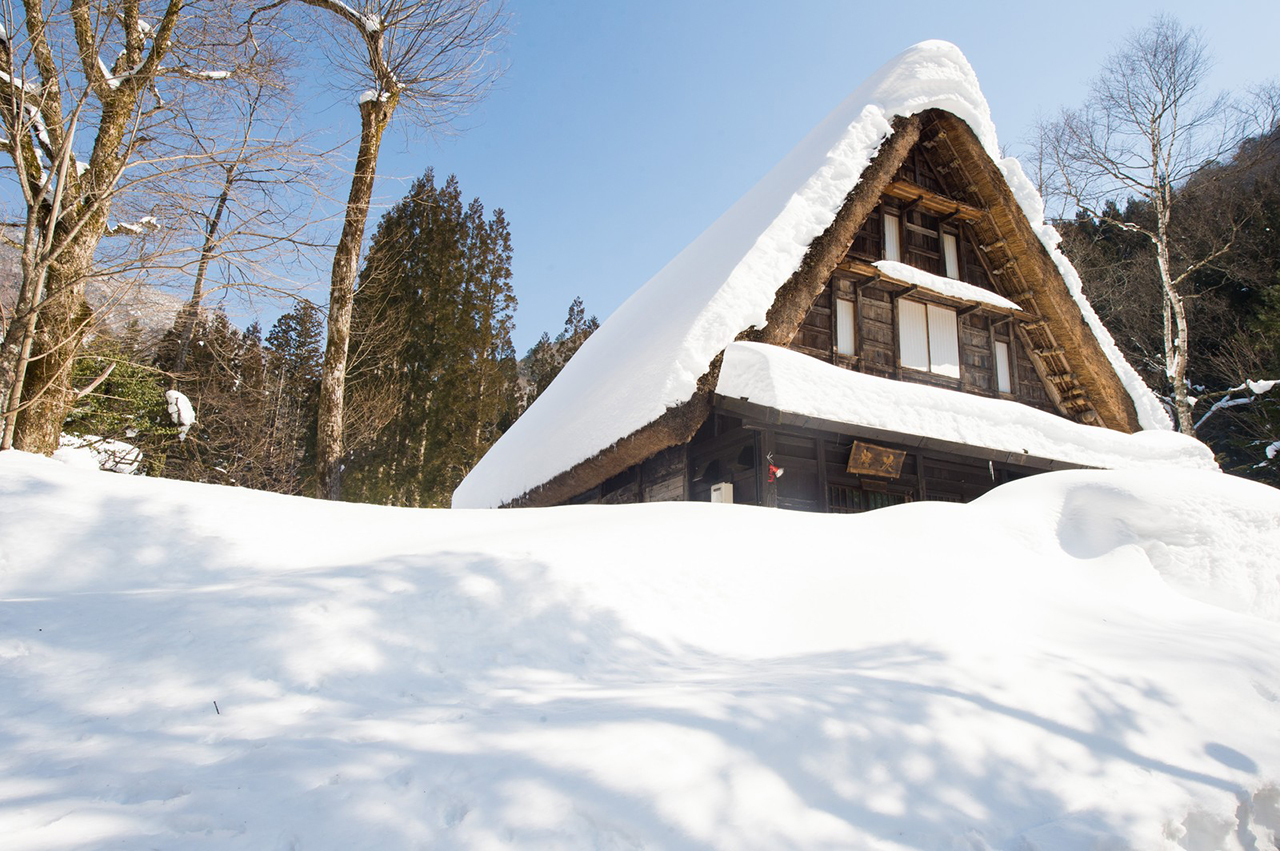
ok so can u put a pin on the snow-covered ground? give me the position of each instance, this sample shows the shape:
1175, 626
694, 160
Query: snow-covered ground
1076, 661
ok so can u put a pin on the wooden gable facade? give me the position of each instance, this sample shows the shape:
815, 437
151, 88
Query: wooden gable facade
933, 200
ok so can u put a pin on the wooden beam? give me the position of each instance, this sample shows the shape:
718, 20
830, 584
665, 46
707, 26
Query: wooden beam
905, 190
866, 270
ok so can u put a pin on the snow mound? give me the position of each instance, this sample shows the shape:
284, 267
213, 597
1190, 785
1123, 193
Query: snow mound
1212, 538
91, 452
1077, 660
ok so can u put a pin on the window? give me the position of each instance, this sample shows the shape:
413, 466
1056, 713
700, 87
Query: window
845, 499
1004, 382
892, 247
845, 343
951, 255
928, 338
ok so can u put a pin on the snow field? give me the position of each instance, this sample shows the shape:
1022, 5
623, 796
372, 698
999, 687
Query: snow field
1081, 660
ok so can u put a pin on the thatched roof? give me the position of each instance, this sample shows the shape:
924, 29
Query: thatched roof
644, 380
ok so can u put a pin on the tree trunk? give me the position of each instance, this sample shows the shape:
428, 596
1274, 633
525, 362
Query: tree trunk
20, 337
46, 385
1176, 335
191, 312
375, 114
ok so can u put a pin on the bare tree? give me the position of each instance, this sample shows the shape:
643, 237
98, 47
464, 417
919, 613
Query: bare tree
1148, 127
88, 92
431, 58
246, 207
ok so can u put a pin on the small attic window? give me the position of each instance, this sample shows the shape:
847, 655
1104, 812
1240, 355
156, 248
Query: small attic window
1004, 379
892, 237
845, 328
951, 255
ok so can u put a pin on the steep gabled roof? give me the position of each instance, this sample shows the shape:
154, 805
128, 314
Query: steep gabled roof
644, 380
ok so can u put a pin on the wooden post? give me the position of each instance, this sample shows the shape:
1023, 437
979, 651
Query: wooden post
820, 445
769, 493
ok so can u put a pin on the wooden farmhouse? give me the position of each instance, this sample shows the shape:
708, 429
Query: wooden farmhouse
884, 318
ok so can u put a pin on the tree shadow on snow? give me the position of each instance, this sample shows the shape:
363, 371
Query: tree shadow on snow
457, 700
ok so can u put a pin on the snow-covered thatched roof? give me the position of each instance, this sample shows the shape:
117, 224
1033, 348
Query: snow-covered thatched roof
660, 349
823, 395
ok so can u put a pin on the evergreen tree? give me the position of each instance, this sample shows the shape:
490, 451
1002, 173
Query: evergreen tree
431, 382
544, 361
128, 405
225, 445
291, 381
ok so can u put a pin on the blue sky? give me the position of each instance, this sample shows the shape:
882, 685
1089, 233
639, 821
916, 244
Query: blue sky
621, 130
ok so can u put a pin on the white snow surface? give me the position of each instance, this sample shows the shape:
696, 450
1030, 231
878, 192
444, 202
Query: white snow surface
650, 353
91, 452
1079, 660
789, 381
944, 286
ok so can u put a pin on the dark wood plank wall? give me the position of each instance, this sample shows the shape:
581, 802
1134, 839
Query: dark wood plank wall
977, 356
724, 450
663, 476
814, 473
815, 476
877, 344
816, 336
876, 348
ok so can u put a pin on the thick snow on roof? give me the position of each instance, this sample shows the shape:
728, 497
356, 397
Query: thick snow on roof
789, 381
943, 286
648, 356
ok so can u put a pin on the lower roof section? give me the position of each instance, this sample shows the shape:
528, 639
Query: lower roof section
790, 388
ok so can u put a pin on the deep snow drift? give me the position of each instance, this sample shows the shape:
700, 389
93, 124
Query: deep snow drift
1076, 661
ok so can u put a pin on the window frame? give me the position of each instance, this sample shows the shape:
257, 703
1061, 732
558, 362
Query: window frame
932, 338
843, 305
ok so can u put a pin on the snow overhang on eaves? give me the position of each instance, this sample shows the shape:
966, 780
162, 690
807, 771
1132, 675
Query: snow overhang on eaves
785, 387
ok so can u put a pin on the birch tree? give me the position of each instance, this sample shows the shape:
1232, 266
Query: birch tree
248, 208
1147, 127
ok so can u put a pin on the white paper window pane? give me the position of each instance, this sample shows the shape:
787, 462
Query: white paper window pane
1003, 382
844, 327
891, 249
913, 334
951, 252
944, 341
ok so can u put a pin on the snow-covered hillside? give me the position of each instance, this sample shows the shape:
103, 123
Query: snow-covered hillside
1077, 661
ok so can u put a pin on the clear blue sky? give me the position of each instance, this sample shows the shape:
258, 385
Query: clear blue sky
622, 129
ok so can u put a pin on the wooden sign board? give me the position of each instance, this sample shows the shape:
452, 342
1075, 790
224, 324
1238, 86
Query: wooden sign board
872, 460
